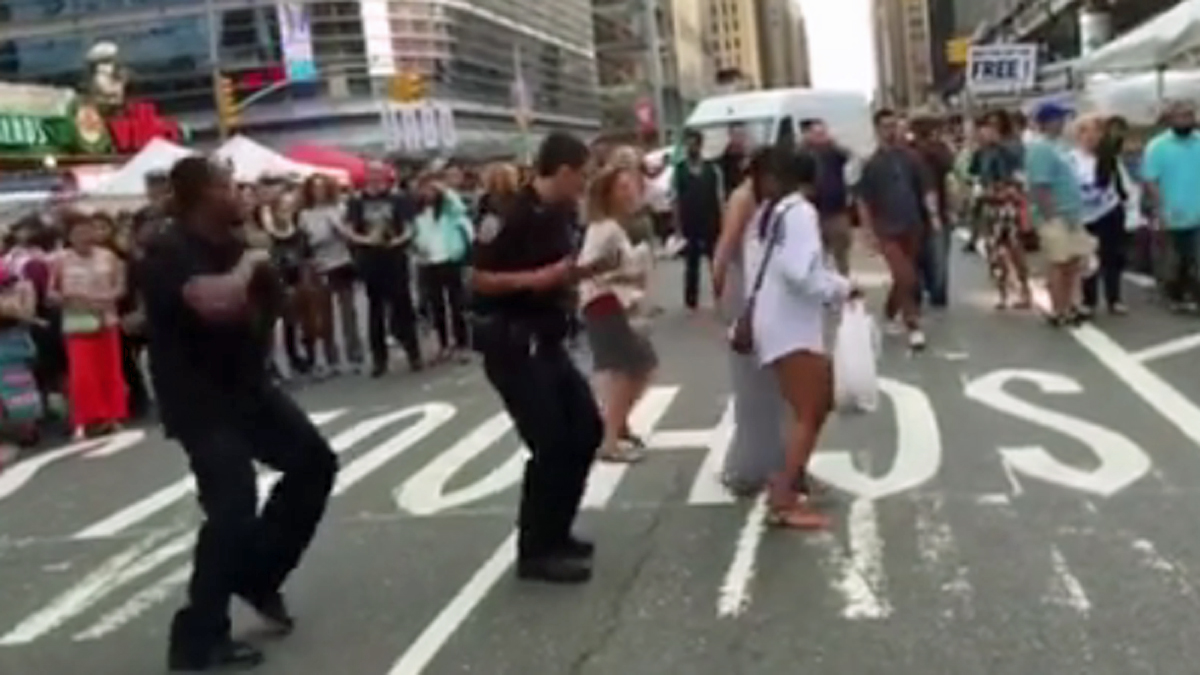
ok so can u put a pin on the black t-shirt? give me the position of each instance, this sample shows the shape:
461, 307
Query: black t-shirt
388, 212
533, 234
201, 371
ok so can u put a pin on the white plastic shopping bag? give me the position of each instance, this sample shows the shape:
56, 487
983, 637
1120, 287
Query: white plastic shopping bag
855, 360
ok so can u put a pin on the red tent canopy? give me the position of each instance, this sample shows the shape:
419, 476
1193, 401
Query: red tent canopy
332, 158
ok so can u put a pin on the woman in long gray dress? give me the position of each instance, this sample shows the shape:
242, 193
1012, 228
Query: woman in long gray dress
756, 452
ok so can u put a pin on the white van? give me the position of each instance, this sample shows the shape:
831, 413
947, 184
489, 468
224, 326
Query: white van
774, 115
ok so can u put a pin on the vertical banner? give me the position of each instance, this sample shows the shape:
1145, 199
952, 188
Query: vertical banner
377, 34
295, 41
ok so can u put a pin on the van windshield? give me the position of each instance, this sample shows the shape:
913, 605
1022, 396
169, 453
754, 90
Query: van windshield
716, 134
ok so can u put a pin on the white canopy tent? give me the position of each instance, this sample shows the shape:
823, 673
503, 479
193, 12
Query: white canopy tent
252, 161
130, 179
1138, 98
1157, 44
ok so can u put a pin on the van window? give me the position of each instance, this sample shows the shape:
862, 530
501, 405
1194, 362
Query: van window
716, 134
786, 137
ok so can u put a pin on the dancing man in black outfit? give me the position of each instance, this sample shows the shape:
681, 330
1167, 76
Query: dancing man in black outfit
208, 301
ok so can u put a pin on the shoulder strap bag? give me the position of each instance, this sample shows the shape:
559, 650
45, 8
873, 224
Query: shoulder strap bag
741, 333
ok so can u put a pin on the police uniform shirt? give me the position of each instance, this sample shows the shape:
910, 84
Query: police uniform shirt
531, 235
201, 371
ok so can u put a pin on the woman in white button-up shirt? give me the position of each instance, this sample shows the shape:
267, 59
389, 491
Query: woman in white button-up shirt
789, 320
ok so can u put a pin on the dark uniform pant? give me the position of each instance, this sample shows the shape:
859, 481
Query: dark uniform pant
697, 252
240, 550
388, 283
555, 413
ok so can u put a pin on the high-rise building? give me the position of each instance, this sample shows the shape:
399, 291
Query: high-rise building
904, 52
783, 44
468, 51
733, 27
626, 32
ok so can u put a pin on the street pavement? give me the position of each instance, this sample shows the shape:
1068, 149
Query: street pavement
1024, 502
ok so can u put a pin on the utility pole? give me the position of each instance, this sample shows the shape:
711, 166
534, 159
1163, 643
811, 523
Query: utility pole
657, 84
214, 60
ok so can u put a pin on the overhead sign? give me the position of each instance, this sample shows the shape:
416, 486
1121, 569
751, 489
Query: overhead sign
1001, 68
421, 127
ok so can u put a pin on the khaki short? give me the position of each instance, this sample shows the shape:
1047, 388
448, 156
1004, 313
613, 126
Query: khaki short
1061, 244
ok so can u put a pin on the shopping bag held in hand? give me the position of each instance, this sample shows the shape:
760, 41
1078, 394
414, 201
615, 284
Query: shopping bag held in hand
855, 359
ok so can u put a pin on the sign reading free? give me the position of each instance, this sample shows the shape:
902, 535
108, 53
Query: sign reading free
1001, 68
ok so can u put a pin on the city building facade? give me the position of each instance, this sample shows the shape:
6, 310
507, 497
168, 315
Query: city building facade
904, 52
733, 27
317, 69
783, 44
631, 87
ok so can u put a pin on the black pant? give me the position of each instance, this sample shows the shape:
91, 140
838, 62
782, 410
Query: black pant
442, 284
389, 301
239, 550
697, 251
556, 416
1109, 231
139, 393
1182, 284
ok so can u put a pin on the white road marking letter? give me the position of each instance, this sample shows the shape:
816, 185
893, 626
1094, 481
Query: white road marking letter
918, 449
19, 474
1121, 462
425, 492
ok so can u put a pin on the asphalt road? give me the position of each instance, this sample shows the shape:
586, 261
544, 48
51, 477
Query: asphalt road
1024, 503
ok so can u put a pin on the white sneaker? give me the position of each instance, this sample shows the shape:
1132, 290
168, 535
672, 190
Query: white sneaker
894, 327
916, 340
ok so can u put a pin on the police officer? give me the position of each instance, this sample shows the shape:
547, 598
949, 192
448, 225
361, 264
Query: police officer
207, 307
524, 270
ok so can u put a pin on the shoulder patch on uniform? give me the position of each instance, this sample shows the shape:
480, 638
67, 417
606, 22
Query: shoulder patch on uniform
489, 228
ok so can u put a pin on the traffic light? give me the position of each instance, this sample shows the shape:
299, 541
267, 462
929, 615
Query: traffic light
407, 87
227, 108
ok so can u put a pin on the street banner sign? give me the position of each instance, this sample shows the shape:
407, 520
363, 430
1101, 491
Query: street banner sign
1001, 68
421, 127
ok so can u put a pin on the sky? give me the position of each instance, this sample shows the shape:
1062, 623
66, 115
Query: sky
840, 44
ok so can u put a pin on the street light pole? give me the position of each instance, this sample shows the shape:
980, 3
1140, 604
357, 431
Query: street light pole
657, 77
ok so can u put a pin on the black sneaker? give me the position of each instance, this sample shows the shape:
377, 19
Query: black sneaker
555, 569
274, 614
378, 371
230, 655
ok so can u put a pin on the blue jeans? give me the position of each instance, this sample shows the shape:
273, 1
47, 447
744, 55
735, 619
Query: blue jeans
933, 268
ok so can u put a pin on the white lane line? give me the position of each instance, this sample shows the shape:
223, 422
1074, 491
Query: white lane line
602, 485
1154, 390
109, 576
432, 416
1168, 349
734, 597
708, 489
859, 577
148, 597
446, 623
160, 500
940, 554
1065, 589
606, 477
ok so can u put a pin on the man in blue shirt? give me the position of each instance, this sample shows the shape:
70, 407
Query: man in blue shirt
1171, 170
1057, 202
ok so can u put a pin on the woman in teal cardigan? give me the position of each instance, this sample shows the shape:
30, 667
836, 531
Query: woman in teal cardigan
443, 243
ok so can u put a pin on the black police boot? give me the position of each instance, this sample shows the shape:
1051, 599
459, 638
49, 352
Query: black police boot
554, 569
273, 612
580, 549
227, 655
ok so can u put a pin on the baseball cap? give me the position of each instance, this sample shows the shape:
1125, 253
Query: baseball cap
1051, 111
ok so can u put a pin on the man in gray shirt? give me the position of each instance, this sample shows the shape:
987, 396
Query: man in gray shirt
897, 203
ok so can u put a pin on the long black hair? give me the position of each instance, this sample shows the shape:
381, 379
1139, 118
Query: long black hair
791, 169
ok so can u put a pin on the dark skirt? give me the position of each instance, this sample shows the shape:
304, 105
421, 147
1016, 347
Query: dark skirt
617, 347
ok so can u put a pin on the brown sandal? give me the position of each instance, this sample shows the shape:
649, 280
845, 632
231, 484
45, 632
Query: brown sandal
797, 515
